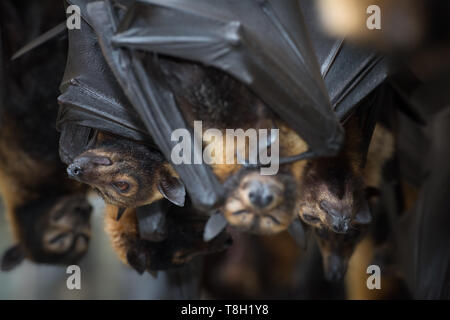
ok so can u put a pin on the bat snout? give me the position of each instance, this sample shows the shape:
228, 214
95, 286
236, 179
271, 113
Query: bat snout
262, 195
337, 219
340, 225
85, 166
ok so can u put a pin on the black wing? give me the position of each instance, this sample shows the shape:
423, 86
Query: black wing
268, 50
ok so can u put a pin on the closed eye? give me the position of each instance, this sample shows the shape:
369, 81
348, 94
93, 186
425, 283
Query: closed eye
239, 212
58, 237
310, 218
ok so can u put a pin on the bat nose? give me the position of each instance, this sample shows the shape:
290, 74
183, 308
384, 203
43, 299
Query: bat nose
339, 222
260, 195
74, 170
85, 164
340, 225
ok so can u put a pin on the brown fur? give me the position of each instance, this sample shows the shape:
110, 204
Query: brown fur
280, 213
332, 189
114, 160
121, 233
222, 102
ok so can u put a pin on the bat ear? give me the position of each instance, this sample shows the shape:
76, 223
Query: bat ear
12, 258
172, 189
363, 216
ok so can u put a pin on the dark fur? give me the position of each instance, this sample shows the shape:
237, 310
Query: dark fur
208, 94
222, 102
332, 191
337, 249
182, 243
38, 196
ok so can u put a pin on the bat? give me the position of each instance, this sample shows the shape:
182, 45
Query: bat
49, 214
126, 173
331, 192
81, 93
149, 251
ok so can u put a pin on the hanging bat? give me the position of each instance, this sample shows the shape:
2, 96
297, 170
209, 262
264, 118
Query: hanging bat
253, 202
48, 213
339, 234
332, 193
178, 244
342, 96
119, 118
126, 173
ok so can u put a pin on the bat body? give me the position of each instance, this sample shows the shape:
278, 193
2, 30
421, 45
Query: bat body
49, 214
182, 242
334, 199
332, 190
255, 203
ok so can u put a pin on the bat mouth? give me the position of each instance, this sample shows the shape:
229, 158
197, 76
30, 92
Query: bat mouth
244, 211
248, 220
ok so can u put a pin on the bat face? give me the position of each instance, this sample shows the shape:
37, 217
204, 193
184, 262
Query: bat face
53, 230
332, 196
120, 180
126, 174
261, 204
336, 250
66, 228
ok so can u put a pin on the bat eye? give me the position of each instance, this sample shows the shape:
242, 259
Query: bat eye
310, 218
122, 186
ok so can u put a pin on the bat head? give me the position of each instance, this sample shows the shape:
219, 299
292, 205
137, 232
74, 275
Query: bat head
127, 174
260, 204
337, 249
332, 196
53, 230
